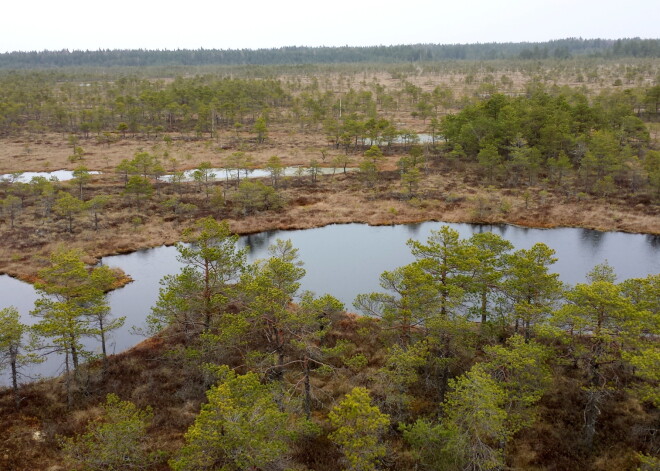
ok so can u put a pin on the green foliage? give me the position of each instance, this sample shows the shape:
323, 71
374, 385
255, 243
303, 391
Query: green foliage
370, 165
314, 169
356, 362
61, 306
125, 169
213, 263
652, 167
81, 177
613, 324
95, 206
401, 372
268, 289
78, 154
204, 176
443, 259
476, 421
68, 206
410, 179
648, 462
116, 442
489, 158
102, 279
15, 353
261, 129
486, 407
413, 300
238, 162
240, 427
522, 371
256, 196
276, 169
358, 430
297, 55
534, 134
597, 308
140, 187
532, 290
12, 206
11, 334
646, 361
488, 254
428, 443
72, 305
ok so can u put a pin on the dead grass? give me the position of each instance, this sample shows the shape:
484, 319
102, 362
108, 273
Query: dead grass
51, 152
444, 195
148, 376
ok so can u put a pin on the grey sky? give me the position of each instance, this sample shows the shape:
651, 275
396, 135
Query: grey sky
190, 24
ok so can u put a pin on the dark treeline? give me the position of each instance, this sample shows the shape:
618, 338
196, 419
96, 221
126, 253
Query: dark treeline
559, 49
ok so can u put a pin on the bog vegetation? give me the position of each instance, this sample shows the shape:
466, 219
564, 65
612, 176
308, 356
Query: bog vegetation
570, 142
472, 357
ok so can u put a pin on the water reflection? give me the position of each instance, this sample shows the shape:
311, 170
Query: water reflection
220, 174
653, 241
592, 240
56, 175
258, 242
413, 229
499, 229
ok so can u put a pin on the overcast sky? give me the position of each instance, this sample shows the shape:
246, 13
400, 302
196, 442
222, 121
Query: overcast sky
29, 25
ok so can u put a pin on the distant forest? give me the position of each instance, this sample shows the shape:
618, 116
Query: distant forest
558, 49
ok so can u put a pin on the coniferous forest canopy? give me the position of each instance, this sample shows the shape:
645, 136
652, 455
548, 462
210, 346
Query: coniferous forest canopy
557, 49
473, 357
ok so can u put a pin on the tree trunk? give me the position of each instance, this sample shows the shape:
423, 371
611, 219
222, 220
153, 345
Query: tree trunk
484, 305
528, 331
14, 380
74, 354
443, 381
207, 296
67, 376
591, 413
595, 395
102, 330
308, 395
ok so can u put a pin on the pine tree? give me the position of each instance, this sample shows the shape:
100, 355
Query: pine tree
116, 442
240, 427
359, 426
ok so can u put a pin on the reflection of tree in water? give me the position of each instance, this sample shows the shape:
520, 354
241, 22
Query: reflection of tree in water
142, 254
592, 239
653, 241
520, 230
481, 228
413, 229
259, 241
500, 229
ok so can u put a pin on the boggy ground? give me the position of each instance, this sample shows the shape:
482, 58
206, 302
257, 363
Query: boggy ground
148, 375
447, 192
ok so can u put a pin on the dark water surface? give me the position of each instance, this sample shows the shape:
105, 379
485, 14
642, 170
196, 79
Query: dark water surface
345, 260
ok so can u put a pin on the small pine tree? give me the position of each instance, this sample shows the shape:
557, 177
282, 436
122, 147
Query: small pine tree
115, 442
358, 429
